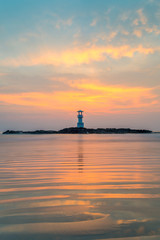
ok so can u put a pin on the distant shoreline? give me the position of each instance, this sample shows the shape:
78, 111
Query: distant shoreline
75, 130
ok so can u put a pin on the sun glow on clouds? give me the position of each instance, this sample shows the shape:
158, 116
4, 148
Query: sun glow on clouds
102, 57
92, 96
77, 56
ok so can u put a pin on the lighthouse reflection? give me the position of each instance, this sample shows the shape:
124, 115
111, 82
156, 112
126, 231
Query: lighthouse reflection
80, 153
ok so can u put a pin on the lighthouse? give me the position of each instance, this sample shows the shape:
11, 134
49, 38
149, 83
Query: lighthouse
80, 123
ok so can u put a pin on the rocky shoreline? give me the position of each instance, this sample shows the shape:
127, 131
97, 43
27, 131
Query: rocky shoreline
75, 130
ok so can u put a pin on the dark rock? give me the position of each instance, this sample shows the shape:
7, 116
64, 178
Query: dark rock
12, 132
75, 130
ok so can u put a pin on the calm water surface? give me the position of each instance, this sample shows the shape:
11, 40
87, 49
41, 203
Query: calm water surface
80, 187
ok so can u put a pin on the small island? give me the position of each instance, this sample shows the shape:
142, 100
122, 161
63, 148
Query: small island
80, 129
76, 130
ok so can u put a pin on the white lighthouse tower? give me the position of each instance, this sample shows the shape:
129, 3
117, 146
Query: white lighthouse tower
80, 123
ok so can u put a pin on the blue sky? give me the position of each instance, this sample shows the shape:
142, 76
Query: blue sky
60, 56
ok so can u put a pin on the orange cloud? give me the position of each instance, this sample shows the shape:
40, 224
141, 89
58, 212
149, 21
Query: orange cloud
154, 29
77, 56
92, 97
138, 33
142, 17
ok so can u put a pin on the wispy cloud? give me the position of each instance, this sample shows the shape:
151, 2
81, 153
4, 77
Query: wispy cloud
94, 22
111, 36
77, 56
142, 19
125, 16
137, 32
91, 95
135, 22
154, 29
63, 22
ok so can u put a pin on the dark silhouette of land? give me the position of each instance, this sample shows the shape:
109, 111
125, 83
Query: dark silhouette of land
75, 130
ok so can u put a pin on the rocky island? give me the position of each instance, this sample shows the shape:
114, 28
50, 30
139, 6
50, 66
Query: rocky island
76, 130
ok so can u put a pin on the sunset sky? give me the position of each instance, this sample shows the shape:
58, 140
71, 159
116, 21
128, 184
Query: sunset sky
59, 56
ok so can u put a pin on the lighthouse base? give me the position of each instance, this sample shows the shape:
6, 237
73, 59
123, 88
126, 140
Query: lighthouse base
80, 125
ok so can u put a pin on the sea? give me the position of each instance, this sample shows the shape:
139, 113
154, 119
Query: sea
80, 186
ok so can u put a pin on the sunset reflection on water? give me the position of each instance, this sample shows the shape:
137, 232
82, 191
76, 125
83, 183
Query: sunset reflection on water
80, 187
